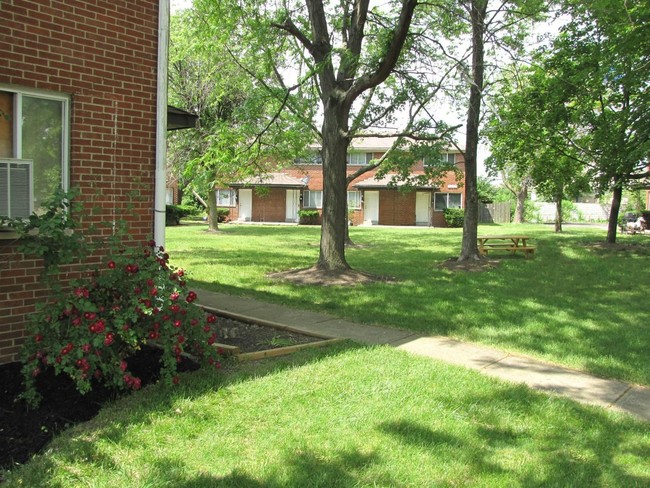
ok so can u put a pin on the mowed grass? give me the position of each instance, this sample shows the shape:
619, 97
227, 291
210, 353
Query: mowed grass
575, 303
345, 416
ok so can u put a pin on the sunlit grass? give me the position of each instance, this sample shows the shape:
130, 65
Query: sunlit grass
345, 416
573, 303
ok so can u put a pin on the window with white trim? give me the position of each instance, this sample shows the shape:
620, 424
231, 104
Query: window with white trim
312, 158
312, 199
359, 158
34, 154
354, 199
443, 159
442, 201
226, 198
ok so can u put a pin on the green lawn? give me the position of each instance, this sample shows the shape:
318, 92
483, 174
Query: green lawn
345, 416
576, 304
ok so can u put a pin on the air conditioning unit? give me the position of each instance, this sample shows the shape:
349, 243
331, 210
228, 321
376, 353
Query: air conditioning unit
16, 188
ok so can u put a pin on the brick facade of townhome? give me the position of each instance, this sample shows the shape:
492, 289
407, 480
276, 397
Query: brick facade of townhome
96, 62
272, 194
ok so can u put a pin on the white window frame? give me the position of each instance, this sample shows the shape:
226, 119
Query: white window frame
447, 194
355, 201
231, 198
358, 158
446, 157
18, 94
312, 199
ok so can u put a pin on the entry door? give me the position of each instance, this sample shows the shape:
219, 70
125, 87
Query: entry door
371, 207
422, 208
293, 205
245, 204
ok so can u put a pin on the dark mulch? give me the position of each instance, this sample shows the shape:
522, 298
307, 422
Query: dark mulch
25, 432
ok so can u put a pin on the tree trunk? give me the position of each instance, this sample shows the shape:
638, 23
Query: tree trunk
213, 217
335, 204
520, 207
612, 224
469, 249
558, 215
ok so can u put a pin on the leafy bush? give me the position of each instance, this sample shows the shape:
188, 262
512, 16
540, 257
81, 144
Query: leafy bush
53, 234
174, 213
455, 217
223, 215
134, 299
308, 217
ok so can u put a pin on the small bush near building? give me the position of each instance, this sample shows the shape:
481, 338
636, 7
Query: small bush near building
223, 215
174, 213
308, 217
455, 217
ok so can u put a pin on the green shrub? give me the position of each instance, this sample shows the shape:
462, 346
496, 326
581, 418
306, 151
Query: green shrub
455, 217
308, 217
174, 213
223, 215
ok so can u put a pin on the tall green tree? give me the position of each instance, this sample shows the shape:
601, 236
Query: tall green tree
241, 124
594, 87
346, 70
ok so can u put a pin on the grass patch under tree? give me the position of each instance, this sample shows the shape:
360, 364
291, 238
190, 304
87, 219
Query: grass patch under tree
576, 303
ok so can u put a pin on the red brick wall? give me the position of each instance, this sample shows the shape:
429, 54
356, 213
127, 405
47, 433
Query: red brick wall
269, 205
103, 53
396, 208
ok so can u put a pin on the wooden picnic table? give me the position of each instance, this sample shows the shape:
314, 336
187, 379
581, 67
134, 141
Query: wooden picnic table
512, 243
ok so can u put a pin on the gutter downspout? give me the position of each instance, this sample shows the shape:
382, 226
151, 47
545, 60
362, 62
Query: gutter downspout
161, 125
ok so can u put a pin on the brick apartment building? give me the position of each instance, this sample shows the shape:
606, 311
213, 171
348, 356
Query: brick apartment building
79, 109
277, 197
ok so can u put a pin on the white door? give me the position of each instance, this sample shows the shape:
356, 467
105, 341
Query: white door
245, 205
422, 208
293, 204
371, 207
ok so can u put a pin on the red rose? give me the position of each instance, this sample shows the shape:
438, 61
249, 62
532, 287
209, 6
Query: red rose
181, 339
123, 365
111, 265
38, 337
177, 323
212, 319
176, 380
108, 340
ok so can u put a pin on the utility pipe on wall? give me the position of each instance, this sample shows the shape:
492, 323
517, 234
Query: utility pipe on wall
161, 124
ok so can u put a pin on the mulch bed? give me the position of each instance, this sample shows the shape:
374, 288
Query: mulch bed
25, 432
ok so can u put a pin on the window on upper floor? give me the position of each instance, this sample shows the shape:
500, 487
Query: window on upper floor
444, 159
312, 199
226, 198
359, 158
312, 158
442, 201
34, 132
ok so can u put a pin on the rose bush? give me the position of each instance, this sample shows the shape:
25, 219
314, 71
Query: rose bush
134, 299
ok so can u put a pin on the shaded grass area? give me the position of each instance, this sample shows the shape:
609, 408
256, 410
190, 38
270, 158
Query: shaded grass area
576, 303
345, 416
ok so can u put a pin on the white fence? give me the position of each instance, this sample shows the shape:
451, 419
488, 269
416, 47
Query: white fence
584, 212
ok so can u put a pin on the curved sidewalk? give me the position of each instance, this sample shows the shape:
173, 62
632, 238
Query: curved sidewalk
581, 387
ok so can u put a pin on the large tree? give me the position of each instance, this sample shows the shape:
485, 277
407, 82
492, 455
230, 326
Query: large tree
349, 62
240, 126
592, 96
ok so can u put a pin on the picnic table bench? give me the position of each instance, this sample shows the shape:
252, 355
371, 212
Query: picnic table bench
512, 243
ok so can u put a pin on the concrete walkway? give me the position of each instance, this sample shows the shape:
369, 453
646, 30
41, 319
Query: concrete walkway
537, 374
